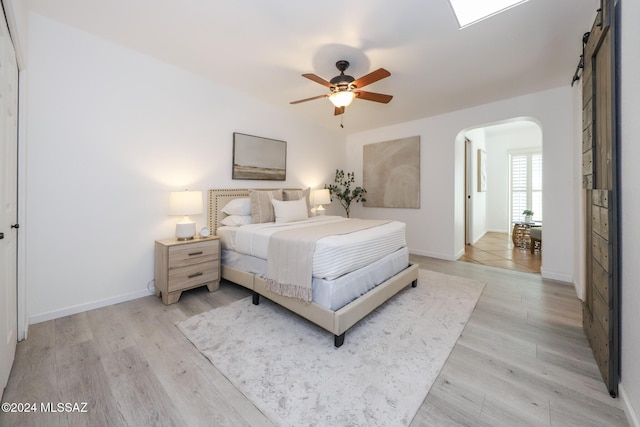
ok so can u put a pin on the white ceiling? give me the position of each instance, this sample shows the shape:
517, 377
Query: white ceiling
262, 47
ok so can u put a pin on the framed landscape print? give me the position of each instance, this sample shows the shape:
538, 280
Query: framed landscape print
255, 157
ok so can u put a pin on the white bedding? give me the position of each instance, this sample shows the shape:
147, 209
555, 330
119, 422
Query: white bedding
334, 256
335, 293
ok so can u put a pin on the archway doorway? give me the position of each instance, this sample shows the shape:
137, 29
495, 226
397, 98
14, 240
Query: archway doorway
503, 178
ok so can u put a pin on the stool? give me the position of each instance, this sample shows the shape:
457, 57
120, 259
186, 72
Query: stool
535, 234
520, 235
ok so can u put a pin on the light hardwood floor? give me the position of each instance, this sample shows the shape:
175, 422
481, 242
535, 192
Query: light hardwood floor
497, 250
521, 360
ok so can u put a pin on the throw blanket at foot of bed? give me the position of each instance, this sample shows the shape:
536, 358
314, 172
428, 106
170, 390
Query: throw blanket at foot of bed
290, 256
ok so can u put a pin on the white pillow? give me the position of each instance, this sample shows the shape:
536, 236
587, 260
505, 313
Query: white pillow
288, 195
236, 220
295, 210
240, 206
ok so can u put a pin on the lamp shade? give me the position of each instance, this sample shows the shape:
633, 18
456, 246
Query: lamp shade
321, 197
342, 98
185, 203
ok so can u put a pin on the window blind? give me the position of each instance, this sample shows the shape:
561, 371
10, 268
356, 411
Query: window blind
526, 185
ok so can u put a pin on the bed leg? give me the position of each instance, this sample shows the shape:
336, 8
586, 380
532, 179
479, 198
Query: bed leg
338, 340
414, 283
256, 298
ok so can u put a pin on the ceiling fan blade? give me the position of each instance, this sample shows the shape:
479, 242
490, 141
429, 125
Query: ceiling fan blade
338, 110
372, 77
318, 79
308, 99
372, 96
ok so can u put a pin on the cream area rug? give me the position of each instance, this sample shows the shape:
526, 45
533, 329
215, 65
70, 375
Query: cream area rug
290, 369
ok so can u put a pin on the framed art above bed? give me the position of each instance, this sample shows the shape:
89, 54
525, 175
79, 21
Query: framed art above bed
260, 158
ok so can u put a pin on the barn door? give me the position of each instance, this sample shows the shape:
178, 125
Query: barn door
601, 305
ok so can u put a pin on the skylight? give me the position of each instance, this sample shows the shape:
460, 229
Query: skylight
471, 11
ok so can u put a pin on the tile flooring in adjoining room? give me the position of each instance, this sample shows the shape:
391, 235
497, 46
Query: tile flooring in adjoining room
498, 250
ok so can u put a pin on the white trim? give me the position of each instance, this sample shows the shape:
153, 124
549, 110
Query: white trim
556, 277
38, 318
16, 38
632, 417
579, 290
22, 313
505, 231
437, 255
19, 46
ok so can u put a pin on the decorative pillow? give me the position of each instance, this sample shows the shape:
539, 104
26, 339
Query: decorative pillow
289, 195
261, 207
295, 210
240, 206
236, 220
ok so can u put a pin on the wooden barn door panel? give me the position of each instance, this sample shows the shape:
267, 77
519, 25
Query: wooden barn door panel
599, 164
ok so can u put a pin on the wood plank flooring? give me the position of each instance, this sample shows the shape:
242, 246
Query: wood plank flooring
497, 250
521, 360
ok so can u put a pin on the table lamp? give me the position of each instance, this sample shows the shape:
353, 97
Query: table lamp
185, 203
321, 197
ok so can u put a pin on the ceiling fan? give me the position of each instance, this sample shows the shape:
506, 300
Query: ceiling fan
344, 88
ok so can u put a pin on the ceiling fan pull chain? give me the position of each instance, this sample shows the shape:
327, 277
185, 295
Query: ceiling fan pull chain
342, 121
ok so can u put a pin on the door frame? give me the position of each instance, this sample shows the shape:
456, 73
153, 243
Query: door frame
468, 185
14, 11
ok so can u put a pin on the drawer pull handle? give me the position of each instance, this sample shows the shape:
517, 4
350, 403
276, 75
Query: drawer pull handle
191, 276
195, 253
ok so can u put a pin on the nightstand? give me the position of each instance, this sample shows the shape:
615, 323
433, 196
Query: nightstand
182, 265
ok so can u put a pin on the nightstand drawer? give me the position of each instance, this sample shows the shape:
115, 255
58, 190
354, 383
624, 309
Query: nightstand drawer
193, 275
183, 255
182, 265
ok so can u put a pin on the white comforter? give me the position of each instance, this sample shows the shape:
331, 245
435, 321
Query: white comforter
334, 255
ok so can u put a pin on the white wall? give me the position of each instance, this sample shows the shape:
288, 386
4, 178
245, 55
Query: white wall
110, 133
434, 229
630, 206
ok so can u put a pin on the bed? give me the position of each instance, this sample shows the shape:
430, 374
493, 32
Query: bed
352, 274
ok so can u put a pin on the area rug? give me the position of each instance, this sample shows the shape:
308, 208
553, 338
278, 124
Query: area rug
291, 371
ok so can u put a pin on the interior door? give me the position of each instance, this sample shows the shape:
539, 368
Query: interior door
601, 305
468, 185
8, 201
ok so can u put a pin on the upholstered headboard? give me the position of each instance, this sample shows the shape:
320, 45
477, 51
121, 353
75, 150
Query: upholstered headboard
218, 198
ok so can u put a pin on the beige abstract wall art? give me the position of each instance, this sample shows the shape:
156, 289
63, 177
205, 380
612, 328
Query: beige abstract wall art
391, 173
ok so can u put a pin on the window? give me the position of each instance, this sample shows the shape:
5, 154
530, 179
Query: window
471, 11
526, 184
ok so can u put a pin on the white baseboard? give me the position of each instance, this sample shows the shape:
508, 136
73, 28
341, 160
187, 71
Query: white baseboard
478, 239
55, 314
579, 291
558, 277
498, 231
436, 255
632, 417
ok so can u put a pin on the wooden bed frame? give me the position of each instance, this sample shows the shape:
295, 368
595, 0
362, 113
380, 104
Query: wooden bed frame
336, 322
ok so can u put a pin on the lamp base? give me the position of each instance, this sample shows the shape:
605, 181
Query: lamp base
185, 230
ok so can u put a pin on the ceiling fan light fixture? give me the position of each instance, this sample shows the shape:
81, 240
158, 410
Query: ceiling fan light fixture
342, 98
